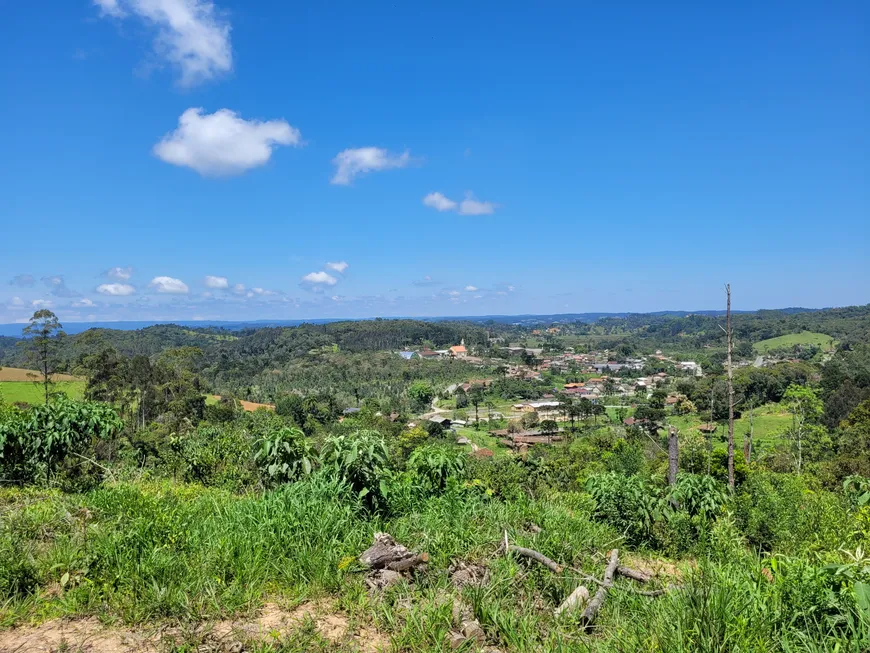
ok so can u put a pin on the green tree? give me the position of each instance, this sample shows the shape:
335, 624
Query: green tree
420, 395
806, 409
530, 419
43, 337
549, 427
854, 442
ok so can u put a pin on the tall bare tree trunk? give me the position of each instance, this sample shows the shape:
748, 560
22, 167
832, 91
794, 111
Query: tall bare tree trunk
673, 456
730, 342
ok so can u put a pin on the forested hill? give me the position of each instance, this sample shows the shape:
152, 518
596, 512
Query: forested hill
265, 346
850, 325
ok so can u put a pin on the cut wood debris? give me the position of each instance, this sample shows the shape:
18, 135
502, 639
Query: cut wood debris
388, 560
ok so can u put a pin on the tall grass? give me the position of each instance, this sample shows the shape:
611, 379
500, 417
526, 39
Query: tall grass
151, 551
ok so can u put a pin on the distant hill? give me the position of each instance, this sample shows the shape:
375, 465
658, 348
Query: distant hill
14, 330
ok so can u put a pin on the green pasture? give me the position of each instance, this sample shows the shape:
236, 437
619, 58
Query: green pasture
769, 422
33, 393
788, 341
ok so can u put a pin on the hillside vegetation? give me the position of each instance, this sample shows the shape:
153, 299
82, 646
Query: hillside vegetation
153, 512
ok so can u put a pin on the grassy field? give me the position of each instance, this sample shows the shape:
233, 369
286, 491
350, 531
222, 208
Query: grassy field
768, 423
32, 393
822, 340
19, 385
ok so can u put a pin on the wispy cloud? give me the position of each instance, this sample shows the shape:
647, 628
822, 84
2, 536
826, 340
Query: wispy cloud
42, 303
116, 289
339, 266
119, 273
192, 36
222, 143
352, 162
439, 202
468, 206
22, 281
219, 283
169, 285
84, 303
470, 288
57, 286
425, 281
471, 206
320, 278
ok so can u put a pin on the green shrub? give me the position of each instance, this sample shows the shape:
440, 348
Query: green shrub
626, 503
790, 514
34, 443
218, 456
358, 459
285, 456
434, 464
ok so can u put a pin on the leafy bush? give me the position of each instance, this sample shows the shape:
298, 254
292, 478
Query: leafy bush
788, 513
35, 442
359, 459
217, 455
435, 464
285, 456
626, 503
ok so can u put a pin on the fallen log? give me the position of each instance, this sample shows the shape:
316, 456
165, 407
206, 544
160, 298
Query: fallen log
537, 557
577, 599
634, 574
384, 551
597, 601
408, 563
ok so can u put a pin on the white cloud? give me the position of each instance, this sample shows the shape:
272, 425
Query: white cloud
17, 301
261, 292
109, 7
350, 163
221, 143
468, 206
191, 35
41, 303
169, 285
239, 289
119, 274
320, 278
339, 267
471, 206
83, 302
470, 288
439, 202
216, 282
116, 289
454, 293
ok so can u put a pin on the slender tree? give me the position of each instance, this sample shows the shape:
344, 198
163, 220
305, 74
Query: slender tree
43, 335
729, 336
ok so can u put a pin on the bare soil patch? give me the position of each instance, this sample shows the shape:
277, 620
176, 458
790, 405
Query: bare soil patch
88, 635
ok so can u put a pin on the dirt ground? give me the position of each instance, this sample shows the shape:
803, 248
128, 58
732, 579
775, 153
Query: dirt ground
88, 635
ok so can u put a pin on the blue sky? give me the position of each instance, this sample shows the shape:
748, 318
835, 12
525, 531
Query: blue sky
183, 159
